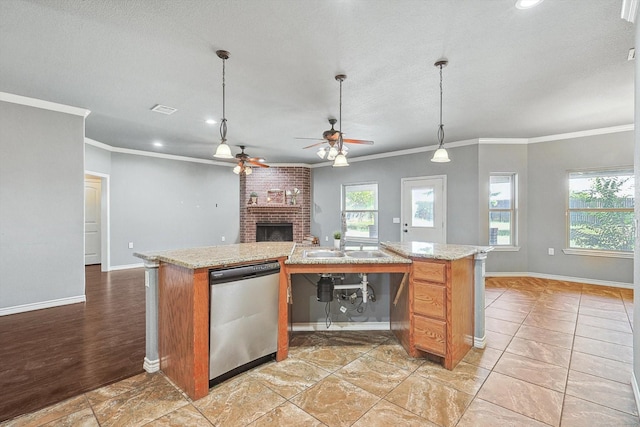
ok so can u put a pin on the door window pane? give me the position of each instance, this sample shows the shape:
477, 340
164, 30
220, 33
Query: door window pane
422, 205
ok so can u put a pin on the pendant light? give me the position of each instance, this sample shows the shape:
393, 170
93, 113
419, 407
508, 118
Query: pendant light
340, 158
441, 155
223, 151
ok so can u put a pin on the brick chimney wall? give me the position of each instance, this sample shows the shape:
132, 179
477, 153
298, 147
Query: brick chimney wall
264, 180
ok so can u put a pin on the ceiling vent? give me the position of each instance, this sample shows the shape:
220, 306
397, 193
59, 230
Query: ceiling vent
163, 109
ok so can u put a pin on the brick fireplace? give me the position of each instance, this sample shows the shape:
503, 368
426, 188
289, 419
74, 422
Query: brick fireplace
275, 187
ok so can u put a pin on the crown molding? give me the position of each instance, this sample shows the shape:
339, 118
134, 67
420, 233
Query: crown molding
498, 141
583, 133
629, 10
45, 105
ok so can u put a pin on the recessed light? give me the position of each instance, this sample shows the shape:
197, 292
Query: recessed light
527, 4
158, 144
163, 109
210, 122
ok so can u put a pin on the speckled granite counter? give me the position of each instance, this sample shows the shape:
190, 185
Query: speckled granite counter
434, 250
219, 256
297, 258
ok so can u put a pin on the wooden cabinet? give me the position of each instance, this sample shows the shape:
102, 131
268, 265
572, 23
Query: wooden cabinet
435, 315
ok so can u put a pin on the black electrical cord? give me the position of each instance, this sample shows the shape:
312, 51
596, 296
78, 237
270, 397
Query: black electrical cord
327, 311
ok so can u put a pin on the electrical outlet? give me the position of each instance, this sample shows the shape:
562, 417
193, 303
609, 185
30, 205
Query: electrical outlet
343, 309
396, 220
130, 245
552, 251
223, 238
326, 238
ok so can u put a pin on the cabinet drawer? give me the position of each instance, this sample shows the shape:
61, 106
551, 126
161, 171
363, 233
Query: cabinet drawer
430, 335
430, 271
429, 300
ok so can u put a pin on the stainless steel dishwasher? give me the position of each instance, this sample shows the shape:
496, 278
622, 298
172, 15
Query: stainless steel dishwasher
243, 317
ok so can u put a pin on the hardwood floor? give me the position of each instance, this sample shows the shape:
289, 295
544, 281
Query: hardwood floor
49, 355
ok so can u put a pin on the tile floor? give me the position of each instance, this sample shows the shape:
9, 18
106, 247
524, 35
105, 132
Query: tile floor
558, 353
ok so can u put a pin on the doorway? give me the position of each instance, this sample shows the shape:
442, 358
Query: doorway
96, 220
424, 209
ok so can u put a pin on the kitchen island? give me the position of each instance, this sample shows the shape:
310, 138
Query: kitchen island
180, 278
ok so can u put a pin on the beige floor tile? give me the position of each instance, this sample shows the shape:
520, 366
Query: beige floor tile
510, 316
386, 414
394, 354
141, 405
559, 304
545, 336
525, 398
432, 400
533, 371
607, 350
112, 390
335, 402
519, 305
544, 322
50, 413
599, 322
540, 351
497, 340
186, 416
328, 358
601, 367
373, 375
606, 335
596, 290
602, 304
286, 415
501, 326
485, 414
567, 316
484, 357
611, 394
619, 316
289, 377
84, 418
464, 377
581, 413
238, 401
626, 294
358, 338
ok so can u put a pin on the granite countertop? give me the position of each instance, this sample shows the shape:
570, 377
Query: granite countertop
434, 250
219, 256
297, 258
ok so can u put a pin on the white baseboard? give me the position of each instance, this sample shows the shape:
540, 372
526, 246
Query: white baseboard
342, 326
480, 342
40, 305
151, 366
636, 391
563, 278
126, 266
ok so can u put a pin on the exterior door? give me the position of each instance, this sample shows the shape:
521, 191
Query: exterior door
424, 209
92, 242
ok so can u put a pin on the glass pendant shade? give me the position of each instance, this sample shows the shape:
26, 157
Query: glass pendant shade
341, 160
321, 153
223, 151
441, 156
248, 170
237, 170
333, 152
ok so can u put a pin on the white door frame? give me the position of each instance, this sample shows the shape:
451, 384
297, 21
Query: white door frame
105, 243
444, 201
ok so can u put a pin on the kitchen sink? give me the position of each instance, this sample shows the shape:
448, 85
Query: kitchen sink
366, 254
322, 253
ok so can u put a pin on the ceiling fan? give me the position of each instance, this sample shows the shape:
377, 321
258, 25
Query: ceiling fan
245, 162
335, 138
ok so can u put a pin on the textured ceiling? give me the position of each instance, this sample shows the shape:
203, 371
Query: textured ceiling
560, 67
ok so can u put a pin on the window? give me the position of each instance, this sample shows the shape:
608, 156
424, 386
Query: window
360, 207
502, 209
600, 215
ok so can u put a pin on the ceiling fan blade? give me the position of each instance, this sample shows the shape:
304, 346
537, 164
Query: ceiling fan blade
357, 141
313, 139
255, 163
314, 145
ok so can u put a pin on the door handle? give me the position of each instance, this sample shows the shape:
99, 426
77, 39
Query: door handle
405, 230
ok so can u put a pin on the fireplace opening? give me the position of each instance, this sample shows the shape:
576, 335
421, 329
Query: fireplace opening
269, 232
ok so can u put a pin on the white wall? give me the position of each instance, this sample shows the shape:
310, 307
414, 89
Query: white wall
41, 207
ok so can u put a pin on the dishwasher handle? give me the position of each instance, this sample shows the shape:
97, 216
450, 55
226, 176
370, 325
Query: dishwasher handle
224, 275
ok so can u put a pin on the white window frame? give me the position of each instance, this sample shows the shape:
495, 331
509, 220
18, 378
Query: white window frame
513, 176
364, 242
593, 252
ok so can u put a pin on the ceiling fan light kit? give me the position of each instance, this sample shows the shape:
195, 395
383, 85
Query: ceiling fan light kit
223, 151
441, 155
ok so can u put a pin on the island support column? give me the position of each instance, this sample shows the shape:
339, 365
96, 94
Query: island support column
151, 358
479, 339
